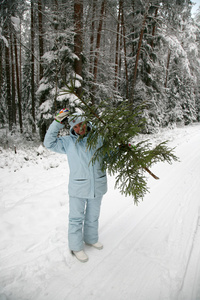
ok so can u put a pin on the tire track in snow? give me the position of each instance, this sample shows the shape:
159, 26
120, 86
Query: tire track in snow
191, 288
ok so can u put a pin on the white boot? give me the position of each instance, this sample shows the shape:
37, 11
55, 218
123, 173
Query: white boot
97, 245
80, 255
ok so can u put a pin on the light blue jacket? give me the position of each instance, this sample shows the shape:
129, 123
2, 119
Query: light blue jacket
86, 180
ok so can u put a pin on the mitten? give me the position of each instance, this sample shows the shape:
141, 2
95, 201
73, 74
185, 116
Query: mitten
63, 115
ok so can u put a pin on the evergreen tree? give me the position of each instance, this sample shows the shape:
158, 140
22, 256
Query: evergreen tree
123, 156
57, 67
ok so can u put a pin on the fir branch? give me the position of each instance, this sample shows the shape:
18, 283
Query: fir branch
151, 173
72, 90
117, 126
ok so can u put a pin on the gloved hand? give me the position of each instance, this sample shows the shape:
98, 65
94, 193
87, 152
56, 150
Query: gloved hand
63, 115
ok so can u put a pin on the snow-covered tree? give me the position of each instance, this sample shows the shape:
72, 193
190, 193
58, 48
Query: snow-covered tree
146, 52
58, 64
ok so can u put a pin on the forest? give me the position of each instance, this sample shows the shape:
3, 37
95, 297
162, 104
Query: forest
144, 52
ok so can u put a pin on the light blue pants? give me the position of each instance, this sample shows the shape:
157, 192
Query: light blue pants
83, 221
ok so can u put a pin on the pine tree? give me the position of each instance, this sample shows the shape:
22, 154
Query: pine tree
117, 127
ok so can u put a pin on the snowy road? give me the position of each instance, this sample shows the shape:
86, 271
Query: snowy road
151, 251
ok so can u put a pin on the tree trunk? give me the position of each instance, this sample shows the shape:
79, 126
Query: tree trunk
139, 48
13, 80
167, 68
92, 35
8, 92
124, 42
41, 43
18, 85
42, 129
154, 28
32, 69
1, 66
152, 46
20, 58
133, 27
96, 58
117, 46
78, 38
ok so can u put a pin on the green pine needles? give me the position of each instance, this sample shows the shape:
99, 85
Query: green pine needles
127, 160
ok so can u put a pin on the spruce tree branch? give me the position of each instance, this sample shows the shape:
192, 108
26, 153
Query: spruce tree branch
116, 127
152, 174
145, 168
72, 91
91, 110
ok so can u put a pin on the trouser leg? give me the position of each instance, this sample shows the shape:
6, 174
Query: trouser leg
76, 219
91, 223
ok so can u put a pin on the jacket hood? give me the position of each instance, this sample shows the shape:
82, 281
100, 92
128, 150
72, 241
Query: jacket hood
74, 134
75, 119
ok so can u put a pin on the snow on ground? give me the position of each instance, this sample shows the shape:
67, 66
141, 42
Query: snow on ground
151, 251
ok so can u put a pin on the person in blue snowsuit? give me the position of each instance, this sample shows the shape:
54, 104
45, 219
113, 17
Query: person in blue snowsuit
87, 181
